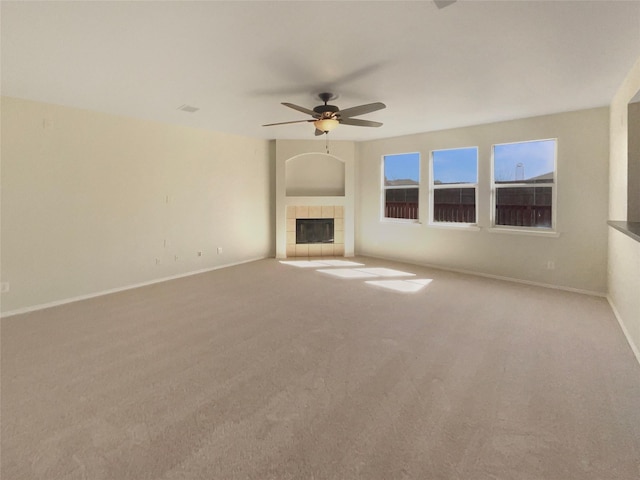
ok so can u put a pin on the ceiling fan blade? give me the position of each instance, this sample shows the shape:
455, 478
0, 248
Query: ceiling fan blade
443, 3
301, 109
286, 123
319, 132
359, 123
361, 109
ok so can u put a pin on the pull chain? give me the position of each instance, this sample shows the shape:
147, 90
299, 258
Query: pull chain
326, 135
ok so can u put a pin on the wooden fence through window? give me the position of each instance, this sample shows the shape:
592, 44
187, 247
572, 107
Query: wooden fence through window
514, 215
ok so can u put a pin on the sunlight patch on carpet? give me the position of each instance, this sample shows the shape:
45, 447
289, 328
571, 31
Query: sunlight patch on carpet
405, 286
347, 272
320, 263
303, 263
398, 285
365, 272
387, 272
342, 263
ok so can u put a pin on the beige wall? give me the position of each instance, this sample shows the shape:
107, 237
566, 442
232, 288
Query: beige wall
90, 201
624, 252
579, 252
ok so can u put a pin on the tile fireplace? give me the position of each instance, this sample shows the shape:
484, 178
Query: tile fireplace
323, 232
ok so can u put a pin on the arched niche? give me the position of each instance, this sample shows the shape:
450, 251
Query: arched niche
314, 175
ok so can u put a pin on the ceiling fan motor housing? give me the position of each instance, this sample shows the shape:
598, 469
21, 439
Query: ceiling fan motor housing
323, 110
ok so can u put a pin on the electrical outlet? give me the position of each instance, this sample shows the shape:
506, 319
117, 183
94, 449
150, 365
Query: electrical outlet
199, 254
175, 258
4, 287
219, 250
551, 265
157, 261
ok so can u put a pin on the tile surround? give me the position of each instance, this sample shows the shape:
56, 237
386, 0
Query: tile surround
315, 249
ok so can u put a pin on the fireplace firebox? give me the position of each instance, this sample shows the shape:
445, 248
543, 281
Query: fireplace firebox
314, 230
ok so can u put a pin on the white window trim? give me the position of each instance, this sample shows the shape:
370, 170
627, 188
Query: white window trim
471, 226
518, 230
383, 198
402, 221
530, 231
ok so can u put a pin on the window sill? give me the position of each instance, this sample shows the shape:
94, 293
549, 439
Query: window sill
468, 227
400, 221
525, 231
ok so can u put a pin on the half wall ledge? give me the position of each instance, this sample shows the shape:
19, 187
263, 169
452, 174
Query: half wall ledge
631, 229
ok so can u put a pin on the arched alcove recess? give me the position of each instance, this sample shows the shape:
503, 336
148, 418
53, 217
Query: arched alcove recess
314, 175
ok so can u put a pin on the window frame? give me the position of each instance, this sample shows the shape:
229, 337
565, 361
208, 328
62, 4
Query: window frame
448, 186
384, 188
517, 229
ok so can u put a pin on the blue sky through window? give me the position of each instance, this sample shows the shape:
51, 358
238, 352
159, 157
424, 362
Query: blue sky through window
403, 166
523, 161
512, 162
457, 165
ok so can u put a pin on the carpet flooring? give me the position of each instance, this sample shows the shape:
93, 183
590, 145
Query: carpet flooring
274, 371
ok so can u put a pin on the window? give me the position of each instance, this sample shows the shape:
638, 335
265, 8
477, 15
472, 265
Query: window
401, 185
524, 178
454, 181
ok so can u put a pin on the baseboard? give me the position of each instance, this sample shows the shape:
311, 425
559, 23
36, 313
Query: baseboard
42, 306
494, 277
633, 346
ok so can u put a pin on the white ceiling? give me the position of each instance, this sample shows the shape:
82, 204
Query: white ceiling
472, 62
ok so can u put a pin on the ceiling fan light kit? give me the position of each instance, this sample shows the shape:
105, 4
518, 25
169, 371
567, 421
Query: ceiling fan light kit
326, 124
327, 117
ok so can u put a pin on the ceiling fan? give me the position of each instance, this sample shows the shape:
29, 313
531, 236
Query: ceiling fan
327, 117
